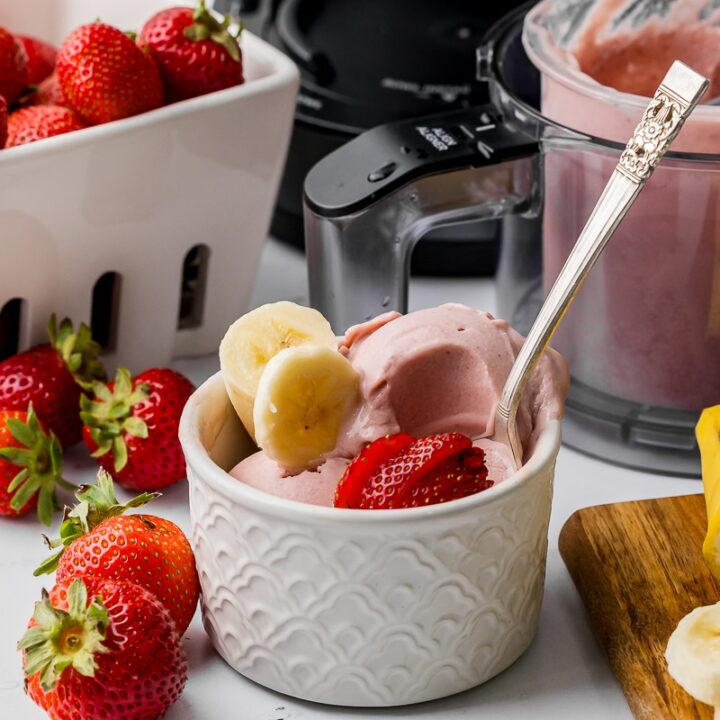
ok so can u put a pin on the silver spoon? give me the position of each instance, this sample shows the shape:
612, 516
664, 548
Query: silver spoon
674, 100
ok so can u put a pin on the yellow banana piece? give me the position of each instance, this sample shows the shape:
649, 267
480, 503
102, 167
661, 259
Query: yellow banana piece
708, 437
302, 397
255, 338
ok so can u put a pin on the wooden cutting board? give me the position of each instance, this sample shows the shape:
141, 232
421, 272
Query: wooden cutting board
639, 569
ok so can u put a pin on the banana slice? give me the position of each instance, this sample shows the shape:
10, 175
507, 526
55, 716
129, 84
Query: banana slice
693, 654
259, 335
302, 397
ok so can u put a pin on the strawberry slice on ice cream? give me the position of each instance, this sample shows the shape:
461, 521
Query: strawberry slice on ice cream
399, 472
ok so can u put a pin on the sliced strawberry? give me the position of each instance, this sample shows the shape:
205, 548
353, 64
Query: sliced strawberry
462, 475
433, 469
365, 465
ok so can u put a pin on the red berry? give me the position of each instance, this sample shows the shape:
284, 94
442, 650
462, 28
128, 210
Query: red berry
371, 458
97, 539
147, 550
102, 649
13, 67
195, 51
50, 377
433, 469
105, 76
49, 92
3, 122
30, 465
40, 58
131, 426
39, 122
9, 470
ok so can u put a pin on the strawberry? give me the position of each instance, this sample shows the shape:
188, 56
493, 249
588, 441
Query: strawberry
131, 426
48, 92
95, 537
196, 53
105, 76
50, 376
13, 67
3, 122
102, 649
394, 473
40, 58
30, 465
371, 457
39, 122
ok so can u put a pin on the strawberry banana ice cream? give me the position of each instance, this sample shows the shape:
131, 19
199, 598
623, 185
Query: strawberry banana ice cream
436, 372
646, 326
600, 61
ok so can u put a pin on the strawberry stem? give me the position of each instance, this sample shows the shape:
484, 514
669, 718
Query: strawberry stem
109, 416
79, 351
60, 639
95, 504
40, 465
205, 26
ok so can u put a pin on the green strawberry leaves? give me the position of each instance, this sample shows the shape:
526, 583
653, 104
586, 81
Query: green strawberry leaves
79, 351
207, 27
109, 416
95, 504
65, 638
39, 463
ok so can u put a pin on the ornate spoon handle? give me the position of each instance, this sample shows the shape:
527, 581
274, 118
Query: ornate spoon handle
673, 102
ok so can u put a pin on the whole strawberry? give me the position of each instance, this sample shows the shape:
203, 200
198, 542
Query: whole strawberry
102, 649
3, 122
196, 53
401, 472
105, 76
51, 377
13, 67
48, 92
95, 539
38, 122
131, 427
40, 58
30, 466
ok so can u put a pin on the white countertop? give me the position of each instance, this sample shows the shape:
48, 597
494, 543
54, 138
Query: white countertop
564, 674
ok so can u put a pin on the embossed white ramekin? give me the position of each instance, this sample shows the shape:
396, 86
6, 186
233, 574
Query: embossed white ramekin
357, 607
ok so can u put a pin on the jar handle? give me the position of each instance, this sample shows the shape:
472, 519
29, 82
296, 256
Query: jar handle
368, 202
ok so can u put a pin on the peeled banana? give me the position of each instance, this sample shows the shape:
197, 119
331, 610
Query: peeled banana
708, 437
302, 397
256, 338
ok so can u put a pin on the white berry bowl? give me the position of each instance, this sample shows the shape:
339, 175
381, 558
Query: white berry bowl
358, 607
149, 228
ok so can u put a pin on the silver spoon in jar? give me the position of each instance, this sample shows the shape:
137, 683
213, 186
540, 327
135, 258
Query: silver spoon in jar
677, 96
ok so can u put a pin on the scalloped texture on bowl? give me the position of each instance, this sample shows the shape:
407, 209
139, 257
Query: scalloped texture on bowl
363, 608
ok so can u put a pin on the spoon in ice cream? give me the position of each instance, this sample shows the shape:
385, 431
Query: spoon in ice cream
677, 96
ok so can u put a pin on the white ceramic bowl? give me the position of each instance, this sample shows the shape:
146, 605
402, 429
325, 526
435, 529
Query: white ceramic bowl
357, 607
132, 197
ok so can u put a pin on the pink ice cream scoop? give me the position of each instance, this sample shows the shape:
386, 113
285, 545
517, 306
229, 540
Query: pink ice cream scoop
443, 370
315, 487
431, 371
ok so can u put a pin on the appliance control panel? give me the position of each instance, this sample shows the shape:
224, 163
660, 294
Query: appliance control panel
387, 157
